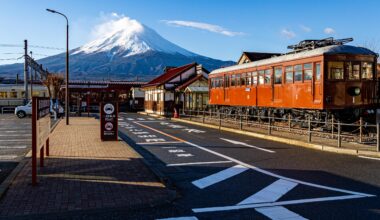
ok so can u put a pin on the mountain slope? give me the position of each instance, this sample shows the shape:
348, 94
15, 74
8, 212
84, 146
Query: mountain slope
124, 49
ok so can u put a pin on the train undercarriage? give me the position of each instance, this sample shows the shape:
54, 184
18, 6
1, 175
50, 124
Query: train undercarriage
347, 115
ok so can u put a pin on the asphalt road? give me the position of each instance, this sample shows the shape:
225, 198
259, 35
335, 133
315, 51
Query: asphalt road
221, 175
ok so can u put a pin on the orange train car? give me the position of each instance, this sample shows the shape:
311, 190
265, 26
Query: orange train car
320, 78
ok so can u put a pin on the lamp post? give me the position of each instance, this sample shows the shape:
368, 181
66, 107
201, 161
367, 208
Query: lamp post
67, 101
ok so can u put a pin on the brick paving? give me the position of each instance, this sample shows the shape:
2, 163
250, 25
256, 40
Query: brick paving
83, 173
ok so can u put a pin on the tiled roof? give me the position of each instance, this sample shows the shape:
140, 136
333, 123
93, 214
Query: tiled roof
170, 74
93, 82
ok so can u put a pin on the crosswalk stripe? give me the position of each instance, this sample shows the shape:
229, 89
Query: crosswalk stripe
8, 157
13, 147
219, 176
279, 213
270, 193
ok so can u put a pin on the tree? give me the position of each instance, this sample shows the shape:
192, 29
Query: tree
53, 83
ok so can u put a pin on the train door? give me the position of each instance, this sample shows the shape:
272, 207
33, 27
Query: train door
317, 84
226, 88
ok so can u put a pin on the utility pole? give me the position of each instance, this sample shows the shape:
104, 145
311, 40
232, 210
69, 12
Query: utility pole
26, 72
31, 76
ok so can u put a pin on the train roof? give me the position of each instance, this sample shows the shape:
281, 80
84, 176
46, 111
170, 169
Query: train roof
333, 49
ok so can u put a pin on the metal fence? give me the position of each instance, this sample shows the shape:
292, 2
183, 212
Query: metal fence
359, 132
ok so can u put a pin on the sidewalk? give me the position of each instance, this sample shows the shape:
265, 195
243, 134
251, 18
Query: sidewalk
83, 173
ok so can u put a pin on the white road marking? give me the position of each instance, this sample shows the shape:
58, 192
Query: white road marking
154, 140
353, 194
130, 119
16, 140
279, 212
247, 145
371, 158
15, 135
120, 119
8, 157
184, 155
219, 176
196, 163
270, 193
141, 119
281, 203
277, 175
146, 136
165, 142
176, 151
13, 147
180, 218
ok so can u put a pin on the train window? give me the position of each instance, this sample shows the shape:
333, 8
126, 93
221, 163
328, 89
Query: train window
261, 77
249, 79
12, 94
233, 80
226, 81
298, 73
317, 71
352, 70
335, 70
278, 75
289, 74
367, 71
307, 71
254, 78
237, 79
3, 94
242, 79
267, 75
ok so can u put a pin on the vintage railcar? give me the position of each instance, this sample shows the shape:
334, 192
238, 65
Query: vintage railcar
320, 78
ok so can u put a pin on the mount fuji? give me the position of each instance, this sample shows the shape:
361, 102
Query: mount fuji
123, 49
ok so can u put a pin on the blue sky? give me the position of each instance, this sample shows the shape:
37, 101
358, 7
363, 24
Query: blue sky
216, 28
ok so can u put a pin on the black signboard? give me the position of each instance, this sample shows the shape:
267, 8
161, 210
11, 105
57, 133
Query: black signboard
108, 121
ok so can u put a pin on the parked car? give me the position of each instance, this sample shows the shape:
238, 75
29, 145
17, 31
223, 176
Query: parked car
25, 110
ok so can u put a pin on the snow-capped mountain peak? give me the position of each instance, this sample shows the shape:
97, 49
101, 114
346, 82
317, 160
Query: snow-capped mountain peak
126, 37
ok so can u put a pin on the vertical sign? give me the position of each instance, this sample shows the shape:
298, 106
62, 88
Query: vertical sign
108, 121
40, 132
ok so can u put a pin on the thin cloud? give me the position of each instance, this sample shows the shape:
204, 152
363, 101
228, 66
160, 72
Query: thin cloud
288, 33
329, 30
305, 28
203, 26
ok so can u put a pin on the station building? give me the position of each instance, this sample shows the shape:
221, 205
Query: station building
167, 91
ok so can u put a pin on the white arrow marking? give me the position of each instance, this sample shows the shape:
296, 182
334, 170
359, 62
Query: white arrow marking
247, 145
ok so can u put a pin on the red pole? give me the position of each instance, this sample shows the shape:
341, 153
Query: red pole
34, 140
47, 147
42, 156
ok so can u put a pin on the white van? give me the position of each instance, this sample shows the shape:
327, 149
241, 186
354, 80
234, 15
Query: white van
24, 110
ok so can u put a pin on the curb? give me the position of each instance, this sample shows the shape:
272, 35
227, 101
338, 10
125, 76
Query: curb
8, 181
151, 114
320, 147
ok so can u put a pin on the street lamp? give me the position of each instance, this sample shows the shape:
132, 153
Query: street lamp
67, 65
